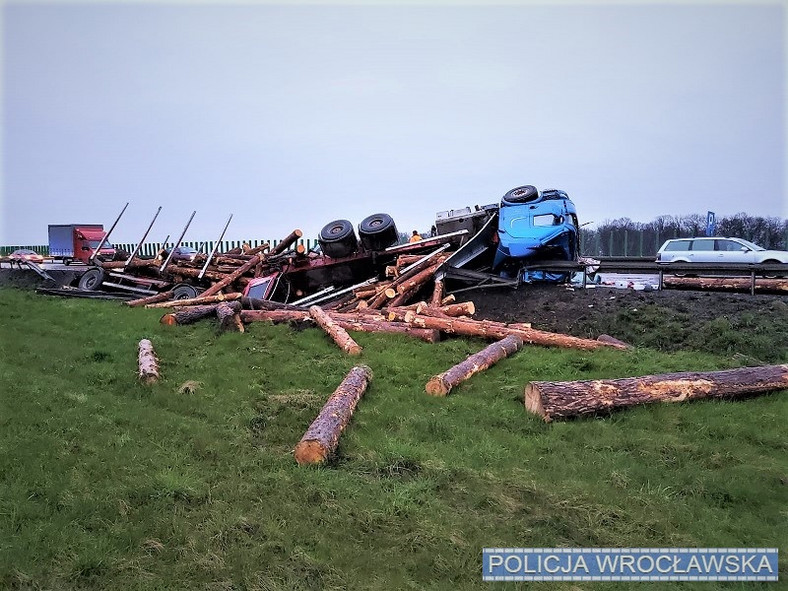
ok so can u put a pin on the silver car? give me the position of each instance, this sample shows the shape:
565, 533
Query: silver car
717, 250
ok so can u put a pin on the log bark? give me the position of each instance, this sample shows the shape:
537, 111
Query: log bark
193, 273
441, 384
257, 304
425, 334
340, 336
416, 280
726, 283
258, 249
322, 437
228, 314
454, 310
287, 242
275, 316
189, 315
221, 297
159, 297
557, 400
437, 293
217, 287
148, 363
497, 330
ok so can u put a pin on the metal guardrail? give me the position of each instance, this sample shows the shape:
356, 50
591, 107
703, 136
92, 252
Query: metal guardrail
649, 266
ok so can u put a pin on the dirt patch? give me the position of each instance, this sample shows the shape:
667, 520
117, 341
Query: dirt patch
738, 323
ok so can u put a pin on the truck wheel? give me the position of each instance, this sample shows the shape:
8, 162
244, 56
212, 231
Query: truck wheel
523, 194
378, 231
338, 239
91, 280
184, 291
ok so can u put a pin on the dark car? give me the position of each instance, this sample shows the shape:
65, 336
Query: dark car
182, 253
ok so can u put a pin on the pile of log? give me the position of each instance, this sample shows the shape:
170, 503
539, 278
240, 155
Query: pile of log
229, 271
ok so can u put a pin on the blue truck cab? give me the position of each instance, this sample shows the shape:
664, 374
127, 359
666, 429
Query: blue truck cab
535, 226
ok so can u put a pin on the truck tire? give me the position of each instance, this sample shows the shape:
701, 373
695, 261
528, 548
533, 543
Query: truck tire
184, 291
524, 194
378, 231
338, 239
91, 280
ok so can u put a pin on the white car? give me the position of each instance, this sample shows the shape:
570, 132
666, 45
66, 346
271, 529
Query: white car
717, 250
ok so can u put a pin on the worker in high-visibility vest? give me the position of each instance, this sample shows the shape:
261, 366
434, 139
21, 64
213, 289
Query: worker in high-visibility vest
416, 236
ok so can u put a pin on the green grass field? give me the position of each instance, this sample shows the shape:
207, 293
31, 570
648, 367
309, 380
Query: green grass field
105, 483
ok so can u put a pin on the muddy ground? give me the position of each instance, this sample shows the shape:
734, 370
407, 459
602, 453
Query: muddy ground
753, 326
740, 324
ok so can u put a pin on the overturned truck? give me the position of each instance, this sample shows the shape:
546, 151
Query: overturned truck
526, 228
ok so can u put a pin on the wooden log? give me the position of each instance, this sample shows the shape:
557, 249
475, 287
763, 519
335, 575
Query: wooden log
148, 363
425, 334
275, 316
258, 249
322, 437
417, 280
286, 243
189, 314
365, 292
159, 297
228, 314
135, 263
441, 384
257, 304
497, 330
437, 293
340, 336
449, 299
606, 338
726, 283
182, 271
216, 287
459, 309
557, 400
220, 297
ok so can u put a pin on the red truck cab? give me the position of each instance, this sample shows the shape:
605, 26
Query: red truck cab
71, 242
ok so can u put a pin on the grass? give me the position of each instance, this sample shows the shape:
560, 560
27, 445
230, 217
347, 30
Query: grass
191, 483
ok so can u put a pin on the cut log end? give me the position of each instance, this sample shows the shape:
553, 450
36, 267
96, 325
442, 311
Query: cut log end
533, 401
168, 319
437, 387
310, 452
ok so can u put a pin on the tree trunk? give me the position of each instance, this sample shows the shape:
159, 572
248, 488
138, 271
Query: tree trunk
222, 297
228, 314
425, 334
287, 242
340, 336
217, 287
437, 293
442, 384
497, 330
257, 249
159, 297
556, 400
193, 273
322, 437
275, 316
726, 283
148, 363
189, 315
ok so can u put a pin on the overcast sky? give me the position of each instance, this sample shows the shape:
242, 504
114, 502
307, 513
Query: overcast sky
292, 116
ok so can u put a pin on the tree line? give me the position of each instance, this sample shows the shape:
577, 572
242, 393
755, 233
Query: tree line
624, 237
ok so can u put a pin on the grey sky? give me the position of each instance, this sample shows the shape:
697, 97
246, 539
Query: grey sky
291, 116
